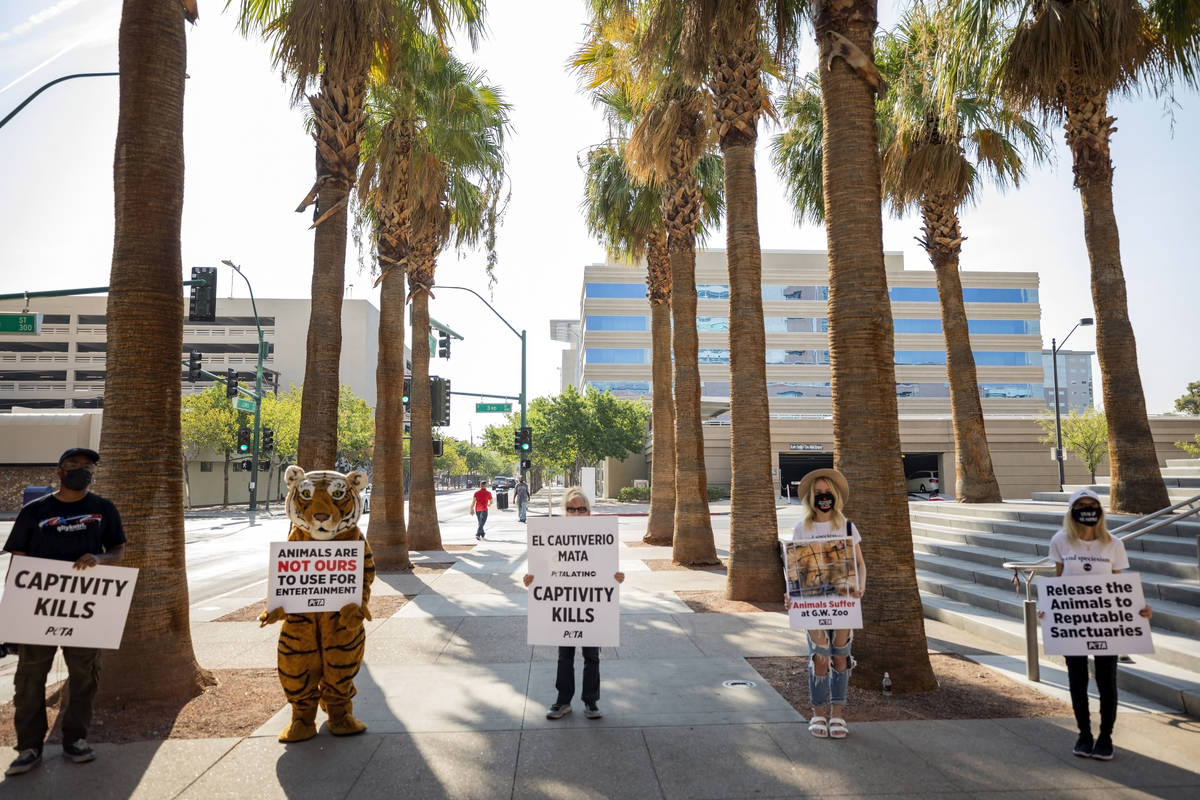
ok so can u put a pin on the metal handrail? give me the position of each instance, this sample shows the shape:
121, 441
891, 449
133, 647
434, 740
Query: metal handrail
1031, 568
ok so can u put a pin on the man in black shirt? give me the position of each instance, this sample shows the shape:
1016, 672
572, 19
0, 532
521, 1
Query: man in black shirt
71, 524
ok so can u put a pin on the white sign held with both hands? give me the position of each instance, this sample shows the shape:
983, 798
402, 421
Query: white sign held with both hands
1094, 615
49, 602
819, 575
312, 576
574, 598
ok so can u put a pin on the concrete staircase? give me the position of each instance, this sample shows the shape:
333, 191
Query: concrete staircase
1181, 475
960, 550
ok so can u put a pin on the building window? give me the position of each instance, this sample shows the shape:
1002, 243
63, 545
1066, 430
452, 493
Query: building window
713, 355
928, 294
603, 323
775, 356
615, 355
796, 324
206, 466
712, 291
615, 290
795, 292
712, 324
622, 388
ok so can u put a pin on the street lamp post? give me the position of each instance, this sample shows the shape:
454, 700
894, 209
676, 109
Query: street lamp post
258, 393
1054, 348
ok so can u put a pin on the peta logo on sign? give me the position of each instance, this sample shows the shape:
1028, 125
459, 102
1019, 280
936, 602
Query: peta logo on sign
316, 601
1097, 645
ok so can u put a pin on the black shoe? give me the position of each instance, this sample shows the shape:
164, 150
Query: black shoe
1084, 745
79, 751
1103, 751
27, 760
558, 711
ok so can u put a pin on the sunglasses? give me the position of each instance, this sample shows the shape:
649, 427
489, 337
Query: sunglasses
577, 509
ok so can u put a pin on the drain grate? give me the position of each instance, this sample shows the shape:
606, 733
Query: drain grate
739, 683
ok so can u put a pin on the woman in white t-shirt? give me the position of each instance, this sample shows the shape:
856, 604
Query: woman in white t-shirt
1085, 547
823, 493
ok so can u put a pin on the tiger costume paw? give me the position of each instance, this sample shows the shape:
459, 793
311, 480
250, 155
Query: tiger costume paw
303, 726
268, 617
353, 612
342, 721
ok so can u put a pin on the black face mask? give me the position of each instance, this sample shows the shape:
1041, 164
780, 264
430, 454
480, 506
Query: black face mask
823, 501
1086, 516
77, 479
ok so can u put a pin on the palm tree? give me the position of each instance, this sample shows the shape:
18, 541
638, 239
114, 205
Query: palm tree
862, 350
1066, 57
141, 438
335, 44
455, 194
626, 215
926, 164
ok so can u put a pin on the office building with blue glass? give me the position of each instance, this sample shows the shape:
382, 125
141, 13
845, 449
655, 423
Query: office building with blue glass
610, 350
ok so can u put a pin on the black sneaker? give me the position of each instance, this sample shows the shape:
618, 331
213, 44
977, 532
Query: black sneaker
1103, 751
591, 711
27, 760
558, 711
1084, 745
79, 751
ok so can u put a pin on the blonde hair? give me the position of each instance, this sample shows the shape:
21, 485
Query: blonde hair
810, 508
572, 493
1073, 529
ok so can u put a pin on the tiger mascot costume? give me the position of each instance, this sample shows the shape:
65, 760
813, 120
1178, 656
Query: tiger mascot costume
320, 653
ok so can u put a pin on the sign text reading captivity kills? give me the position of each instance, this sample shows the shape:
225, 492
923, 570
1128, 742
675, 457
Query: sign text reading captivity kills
1093, 615
315, 576
50, 602
574, 599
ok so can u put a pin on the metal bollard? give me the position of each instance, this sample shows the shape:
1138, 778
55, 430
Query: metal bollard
1032, 667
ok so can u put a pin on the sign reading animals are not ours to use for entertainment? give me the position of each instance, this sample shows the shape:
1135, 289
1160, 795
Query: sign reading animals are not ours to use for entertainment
315, 576
820, 573
574, 598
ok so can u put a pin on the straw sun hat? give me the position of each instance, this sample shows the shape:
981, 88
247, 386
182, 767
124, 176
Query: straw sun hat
832, 475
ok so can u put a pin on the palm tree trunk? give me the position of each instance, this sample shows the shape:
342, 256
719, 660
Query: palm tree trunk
1137, 484
693, 543
338, 119
423, 530
389, 538
141, 437
755, 568
975, 480
865, 428
660, 525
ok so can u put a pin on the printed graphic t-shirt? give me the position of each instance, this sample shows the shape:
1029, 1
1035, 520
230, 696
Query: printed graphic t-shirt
1087, 558
824, 530
50, 528
482, 498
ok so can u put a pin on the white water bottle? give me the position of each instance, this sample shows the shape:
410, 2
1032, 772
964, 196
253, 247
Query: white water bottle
887, 683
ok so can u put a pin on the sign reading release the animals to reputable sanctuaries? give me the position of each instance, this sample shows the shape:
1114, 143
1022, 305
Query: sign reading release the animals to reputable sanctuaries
820, 573
1093, 615
50, 602
574, 598
315, 576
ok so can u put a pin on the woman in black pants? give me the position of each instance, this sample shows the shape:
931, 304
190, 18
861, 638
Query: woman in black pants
1085, 547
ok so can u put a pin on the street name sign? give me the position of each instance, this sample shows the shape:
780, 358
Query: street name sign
484, 408
243, 404
21, 323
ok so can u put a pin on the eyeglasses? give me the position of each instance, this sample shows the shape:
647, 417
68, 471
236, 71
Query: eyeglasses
577, 509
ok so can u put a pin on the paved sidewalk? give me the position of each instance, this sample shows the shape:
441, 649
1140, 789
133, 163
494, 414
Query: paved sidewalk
456, 702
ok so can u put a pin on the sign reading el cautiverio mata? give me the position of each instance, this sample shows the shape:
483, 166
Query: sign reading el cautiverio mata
574, 598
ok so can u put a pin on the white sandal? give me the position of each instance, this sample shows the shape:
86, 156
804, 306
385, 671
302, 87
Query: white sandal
837, 728
818, 728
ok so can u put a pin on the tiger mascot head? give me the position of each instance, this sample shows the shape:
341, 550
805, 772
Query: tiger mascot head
323, 504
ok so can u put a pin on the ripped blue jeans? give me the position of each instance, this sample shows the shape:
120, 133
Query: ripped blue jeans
830, 687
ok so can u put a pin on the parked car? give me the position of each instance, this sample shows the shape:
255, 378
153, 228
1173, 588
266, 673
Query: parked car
922, 497
502, 483
366, 498
925, 480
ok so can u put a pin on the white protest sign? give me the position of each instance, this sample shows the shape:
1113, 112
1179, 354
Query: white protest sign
574, 599
820, 573
315, 576
1093, 615
50, 602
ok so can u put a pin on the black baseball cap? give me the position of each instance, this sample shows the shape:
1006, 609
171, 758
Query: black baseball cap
80, 451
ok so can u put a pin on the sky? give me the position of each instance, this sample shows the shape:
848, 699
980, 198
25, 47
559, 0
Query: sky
249, 162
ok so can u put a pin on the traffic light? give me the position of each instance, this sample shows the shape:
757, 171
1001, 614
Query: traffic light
203, 305
247, 465
526, 465
407, 394
231, 382
439, 401
268, 440
194, 357
244, 440
437, 448
264, 466
524, 440
443, 344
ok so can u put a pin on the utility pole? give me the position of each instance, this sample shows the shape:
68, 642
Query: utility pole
262, 347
